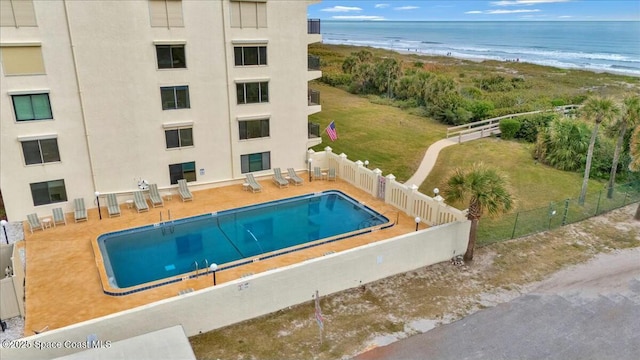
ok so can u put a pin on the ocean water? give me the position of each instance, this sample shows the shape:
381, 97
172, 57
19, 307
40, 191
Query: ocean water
594, 46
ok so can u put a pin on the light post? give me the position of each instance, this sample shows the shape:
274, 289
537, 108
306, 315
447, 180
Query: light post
417, 220
98, 201
213, 269
3, 223
366, 164
309, 161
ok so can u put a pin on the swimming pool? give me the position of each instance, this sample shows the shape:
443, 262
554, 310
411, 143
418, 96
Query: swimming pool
174, 249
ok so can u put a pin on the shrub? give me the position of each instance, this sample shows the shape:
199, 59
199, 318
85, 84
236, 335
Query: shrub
509, 128
531, 125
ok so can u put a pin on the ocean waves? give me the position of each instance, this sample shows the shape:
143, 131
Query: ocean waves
619, 54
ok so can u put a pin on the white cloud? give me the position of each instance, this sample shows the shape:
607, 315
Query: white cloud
525, 2
342, 9
357, 17
565, 17
501, 12
406, 8
381, 6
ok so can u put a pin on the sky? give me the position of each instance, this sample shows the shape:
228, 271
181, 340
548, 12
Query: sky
477, 10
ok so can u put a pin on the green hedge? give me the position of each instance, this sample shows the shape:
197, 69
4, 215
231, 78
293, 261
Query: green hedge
509, 128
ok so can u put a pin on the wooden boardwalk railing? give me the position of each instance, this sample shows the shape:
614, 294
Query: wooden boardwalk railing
488, 127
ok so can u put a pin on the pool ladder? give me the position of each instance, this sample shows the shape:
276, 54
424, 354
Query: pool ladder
167, 229
197, 266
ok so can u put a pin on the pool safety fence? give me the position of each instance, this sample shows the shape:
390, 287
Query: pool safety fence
556, 214
405, 197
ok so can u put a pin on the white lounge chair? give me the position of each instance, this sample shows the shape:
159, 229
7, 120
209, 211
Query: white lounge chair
183, 190
331, 176
317, 173
80, 211
58, 217
112, 205
253, 184
34, 222
140, 201
154, 195
294, 177
278, 179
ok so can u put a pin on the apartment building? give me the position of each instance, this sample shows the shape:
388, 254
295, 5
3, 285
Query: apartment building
97, 96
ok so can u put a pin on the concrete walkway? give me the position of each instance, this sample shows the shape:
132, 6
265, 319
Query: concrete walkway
429, 161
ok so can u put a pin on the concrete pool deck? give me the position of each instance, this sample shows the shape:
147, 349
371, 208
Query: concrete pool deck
63, 283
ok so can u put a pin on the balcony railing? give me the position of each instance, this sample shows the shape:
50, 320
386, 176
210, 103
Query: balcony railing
313, 62
314, 97
314, 130
313, 26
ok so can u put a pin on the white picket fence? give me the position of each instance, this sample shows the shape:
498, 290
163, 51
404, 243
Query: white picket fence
406, 198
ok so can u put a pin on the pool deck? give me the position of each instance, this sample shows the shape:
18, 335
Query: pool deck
63, 283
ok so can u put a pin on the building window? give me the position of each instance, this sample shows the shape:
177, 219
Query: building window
32, 107
185, 171
22, 60
17, 13
171, 57
48, 192
166, 13
253, 129
255, 162
179, 137
40, 151
175, 97
250, 93
250, 55
248, 14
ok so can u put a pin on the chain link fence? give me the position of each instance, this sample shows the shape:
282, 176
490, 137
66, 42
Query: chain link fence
556, 214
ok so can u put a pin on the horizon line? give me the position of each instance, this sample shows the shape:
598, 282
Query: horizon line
528, 20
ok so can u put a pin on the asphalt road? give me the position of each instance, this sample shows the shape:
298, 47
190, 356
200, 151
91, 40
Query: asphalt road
591, 311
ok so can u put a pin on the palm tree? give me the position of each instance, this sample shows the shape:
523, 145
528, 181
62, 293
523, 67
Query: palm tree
484, 189
598, 110
634, 151
629, 119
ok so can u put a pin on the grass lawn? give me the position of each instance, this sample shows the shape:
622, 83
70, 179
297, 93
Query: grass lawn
391, 139
538, 189
394, 140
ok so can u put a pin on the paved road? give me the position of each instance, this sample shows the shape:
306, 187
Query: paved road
588, 312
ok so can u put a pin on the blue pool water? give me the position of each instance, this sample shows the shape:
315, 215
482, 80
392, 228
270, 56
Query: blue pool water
145, 254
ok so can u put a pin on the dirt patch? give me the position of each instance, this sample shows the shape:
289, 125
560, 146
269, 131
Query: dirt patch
403, 305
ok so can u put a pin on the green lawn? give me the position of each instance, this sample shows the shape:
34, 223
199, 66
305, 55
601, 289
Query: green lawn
395, 141
391, 139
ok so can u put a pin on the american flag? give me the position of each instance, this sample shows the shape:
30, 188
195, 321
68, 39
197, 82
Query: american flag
331, 131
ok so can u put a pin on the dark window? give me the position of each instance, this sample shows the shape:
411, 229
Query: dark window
32, 107
171, 56
179, 137
185, 171
250, 93
40, 151
175, 97
250, 55
253, 129
48, 192
255, 162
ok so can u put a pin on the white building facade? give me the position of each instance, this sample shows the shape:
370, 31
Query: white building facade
99, 95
